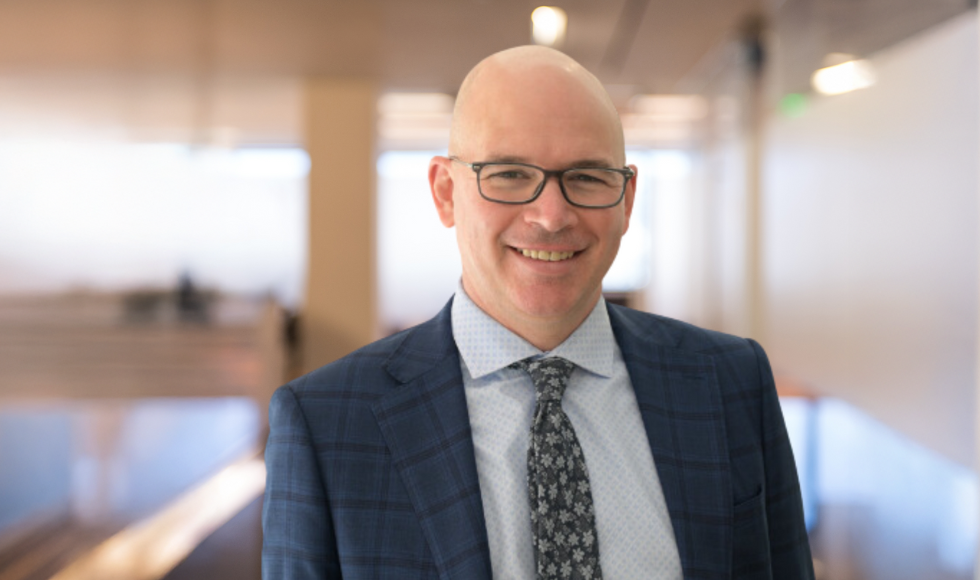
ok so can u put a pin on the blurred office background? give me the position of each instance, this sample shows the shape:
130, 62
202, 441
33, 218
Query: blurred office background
201, 199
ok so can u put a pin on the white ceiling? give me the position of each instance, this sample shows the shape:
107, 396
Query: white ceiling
417, 44
213, 70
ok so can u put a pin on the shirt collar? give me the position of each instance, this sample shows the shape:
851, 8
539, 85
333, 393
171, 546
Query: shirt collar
487, 346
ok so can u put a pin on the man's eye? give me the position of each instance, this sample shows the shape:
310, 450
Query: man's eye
589, 178
510, 174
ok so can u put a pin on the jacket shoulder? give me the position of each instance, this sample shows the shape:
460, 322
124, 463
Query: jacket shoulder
374, 369
361, 372
675, 334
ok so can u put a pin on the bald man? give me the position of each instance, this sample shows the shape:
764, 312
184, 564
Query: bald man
531, 430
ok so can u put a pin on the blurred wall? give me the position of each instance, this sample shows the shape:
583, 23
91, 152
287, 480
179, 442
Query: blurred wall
870, 241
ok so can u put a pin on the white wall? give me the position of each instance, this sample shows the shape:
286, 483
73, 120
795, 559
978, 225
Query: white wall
870, 241
111, 215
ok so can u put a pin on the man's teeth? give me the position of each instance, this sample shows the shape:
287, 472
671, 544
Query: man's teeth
547, 256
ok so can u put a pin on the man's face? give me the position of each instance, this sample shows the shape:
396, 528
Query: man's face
554, 127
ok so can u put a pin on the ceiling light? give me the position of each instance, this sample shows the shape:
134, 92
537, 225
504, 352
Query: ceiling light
548, 25
844, 77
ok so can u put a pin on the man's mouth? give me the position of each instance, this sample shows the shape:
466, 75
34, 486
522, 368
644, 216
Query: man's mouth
545, 255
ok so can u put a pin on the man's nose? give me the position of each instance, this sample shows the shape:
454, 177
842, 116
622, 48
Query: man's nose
551, 211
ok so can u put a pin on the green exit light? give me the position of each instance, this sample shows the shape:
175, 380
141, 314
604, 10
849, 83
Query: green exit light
793, 105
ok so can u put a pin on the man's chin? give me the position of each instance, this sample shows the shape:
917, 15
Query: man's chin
555, 305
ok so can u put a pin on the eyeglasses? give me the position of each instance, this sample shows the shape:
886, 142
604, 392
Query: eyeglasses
517, 183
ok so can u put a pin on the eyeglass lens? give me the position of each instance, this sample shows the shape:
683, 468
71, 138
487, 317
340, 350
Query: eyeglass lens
517, 183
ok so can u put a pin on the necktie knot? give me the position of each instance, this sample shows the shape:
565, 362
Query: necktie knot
549, 375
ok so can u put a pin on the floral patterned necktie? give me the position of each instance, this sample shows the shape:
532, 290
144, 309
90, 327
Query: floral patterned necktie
566, 545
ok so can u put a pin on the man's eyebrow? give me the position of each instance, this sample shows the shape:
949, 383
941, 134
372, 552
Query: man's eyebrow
592, 163
505, 159
576, 163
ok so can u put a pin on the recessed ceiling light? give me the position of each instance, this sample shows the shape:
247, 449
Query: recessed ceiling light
548, 25
844, 77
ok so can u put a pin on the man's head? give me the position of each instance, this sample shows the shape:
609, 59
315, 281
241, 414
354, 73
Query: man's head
537, 106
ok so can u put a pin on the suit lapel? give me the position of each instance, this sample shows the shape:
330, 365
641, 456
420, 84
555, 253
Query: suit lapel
681, 406
426, 426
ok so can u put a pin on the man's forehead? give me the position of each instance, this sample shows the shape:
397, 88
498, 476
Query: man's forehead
518, 63
541, 129
500, 84
527, 89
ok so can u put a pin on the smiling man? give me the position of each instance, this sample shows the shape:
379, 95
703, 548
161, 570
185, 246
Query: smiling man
531, 430
534, 106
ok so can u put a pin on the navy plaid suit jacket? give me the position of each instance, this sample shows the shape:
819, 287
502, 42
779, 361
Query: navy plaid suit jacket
371, 471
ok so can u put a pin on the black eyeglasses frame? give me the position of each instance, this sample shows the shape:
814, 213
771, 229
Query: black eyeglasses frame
557, 173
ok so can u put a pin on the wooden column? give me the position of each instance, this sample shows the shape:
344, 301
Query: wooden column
339, 312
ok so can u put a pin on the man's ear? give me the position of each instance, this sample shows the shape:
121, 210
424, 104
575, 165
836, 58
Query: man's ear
441, 184
629, 197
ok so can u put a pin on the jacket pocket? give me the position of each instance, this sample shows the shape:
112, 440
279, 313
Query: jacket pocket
750, 539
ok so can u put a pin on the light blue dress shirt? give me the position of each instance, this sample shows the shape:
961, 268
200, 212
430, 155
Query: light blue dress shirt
636, 539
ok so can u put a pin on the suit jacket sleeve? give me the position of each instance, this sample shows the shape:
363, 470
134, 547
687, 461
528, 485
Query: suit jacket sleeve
789, 547
298, 537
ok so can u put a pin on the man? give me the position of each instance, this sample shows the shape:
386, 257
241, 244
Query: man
531, 430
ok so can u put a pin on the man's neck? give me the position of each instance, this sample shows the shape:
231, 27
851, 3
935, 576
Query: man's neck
544, 333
